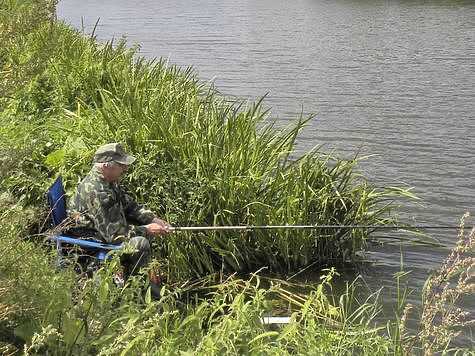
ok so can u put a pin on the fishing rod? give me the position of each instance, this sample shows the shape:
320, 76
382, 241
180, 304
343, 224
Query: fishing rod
309, 227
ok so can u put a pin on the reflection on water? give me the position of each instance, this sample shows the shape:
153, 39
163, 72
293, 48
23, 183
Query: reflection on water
394, 78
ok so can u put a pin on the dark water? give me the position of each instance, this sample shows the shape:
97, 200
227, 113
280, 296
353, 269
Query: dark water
393, 78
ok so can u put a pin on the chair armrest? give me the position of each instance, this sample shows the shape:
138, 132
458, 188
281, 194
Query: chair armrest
83, 243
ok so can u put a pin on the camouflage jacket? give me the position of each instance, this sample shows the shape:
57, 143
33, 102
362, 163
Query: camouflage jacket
103, 210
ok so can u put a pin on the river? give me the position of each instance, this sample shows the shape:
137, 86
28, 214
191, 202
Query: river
393, 79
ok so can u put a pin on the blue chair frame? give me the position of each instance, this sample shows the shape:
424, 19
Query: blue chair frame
57, 203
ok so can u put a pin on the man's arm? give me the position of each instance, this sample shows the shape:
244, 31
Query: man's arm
136, 212
144, 217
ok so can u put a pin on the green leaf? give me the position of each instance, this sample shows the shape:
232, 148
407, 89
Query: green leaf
263, 335
26, 331
71, 328
56, 159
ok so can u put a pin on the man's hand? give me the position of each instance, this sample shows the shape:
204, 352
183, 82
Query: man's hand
158, 227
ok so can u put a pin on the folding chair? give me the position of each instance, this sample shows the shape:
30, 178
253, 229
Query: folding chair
57, 203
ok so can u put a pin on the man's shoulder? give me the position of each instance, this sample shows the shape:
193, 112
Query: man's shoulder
94, 183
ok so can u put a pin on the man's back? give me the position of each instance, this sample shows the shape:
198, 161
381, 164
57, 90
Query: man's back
103, 209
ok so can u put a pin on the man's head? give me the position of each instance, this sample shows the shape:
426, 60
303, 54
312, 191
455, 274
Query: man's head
112, 161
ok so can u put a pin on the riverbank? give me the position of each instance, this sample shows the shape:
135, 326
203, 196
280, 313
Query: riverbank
202, 160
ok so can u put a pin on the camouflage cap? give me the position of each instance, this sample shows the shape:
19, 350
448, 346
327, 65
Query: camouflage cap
112, 152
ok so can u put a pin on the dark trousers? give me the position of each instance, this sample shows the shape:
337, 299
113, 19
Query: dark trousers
134, 261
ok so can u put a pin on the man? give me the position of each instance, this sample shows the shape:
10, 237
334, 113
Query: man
102, 211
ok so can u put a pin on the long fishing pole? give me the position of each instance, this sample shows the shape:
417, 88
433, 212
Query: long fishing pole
303, 227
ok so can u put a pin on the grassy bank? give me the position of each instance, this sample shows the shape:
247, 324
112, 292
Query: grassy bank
202, 160
43, 310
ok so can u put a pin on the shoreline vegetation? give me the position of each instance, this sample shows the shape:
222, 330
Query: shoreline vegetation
201, 160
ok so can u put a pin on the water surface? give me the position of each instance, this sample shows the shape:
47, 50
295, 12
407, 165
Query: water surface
394, 79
